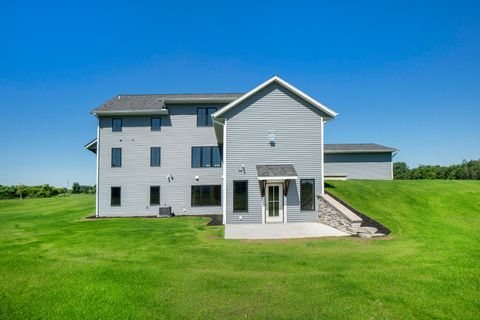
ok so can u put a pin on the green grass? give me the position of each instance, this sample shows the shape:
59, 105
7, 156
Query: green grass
55, 265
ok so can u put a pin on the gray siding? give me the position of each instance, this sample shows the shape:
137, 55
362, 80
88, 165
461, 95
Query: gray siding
178, 134
298, 141
360, 165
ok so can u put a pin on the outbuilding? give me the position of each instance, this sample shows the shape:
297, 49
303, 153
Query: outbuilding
358, 161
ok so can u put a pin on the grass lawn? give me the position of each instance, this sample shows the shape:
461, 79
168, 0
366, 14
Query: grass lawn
53, 264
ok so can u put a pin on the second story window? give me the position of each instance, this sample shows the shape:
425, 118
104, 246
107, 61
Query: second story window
204, 117
205, 157
117, 124
116, 157
156, 124
155, 157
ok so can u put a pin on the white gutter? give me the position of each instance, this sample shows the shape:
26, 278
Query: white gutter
162, 112
224, 181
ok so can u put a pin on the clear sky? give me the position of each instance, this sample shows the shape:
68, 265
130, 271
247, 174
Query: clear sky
400, 73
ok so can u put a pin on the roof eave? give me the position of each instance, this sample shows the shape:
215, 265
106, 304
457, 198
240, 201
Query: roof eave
360, 151
162, 112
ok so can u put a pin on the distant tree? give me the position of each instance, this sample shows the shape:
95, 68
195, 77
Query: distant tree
467, 170
21, 191
76, 187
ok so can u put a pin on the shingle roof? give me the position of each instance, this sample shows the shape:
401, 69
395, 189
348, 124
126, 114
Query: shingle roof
356, 147
152, 102
277, 170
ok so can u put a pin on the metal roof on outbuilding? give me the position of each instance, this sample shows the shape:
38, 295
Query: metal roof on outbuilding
356, 148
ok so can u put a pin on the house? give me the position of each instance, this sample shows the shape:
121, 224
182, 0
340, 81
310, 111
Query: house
256, 157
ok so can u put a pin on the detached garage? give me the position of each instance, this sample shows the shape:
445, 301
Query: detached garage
358, 161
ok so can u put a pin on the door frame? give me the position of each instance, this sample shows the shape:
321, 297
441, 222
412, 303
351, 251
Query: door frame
281, 204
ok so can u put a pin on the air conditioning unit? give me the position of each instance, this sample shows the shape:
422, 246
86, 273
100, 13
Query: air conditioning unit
165, 212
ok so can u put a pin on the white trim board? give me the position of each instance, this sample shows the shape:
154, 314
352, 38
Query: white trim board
284, 84
278, 178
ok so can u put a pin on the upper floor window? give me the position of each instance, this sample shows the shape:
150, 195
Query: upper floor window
116, 157
156, 124
204, 117
117, 124
307, 194
205, 157
155, 156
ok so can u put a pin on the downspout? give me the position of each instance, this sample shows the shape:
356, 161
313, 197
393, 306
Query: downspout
322, 183
97, 188
224, 176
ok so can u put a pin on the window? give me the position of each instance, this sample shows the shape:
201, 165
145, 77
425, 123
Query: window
116, 157
155, 157
307, 194
240, 196
156, 124
155, 195
206, 195
204, 117
116, 124
204, 157
115, 196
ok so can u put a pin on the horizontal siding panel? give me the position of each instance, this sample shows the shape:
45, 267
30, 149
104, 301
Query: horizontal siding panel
297, 126
179, 132
375, 166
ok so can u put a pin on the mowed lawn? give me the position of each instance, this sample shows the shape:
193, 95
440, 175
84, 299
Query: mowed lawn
55, 265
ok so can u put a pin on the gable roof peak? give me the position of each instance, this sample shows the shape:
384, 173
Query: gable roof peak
284, 84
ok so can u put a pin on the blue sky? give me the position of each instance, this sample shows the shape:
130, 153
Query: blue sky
404, 74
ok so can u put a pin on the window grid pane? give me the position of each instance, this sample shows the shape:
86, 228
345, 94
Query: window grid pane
155, 157
209, 195
307, 194
156, 124
196, 157
216, 157
116, 124
155, 195
201, 117
116, 157
240, 196
206, 156
116, 195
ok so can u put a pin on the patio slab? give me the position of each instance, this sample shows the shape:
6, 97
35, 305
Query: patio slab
281, 231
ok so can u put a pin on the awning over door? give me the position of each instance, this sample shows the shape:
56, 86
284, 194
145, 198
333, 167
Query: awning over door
276, 172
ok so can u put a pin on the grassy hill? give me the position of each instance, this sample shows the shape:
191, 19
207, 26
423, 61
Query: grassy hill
54, 264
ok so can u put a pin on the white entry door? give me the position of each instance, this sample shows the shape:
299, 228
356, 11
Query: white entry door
274, 202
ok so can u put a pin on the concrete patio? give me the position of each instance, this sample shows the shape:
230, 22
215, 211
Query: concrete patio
281, 231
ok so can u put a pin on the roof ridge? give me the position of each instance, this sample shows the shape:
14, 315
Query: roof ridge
178, 94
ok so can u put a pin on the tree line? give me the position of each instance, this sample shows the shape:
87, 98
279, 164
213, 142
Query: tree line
42, 191
467, 170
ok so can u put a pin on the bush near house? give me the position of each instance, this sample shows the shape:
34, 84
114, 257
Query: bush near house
467, 170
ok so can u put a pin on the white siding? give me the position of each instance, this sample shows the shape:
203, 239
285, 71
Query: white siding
178, 134
298, 130
376, 166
